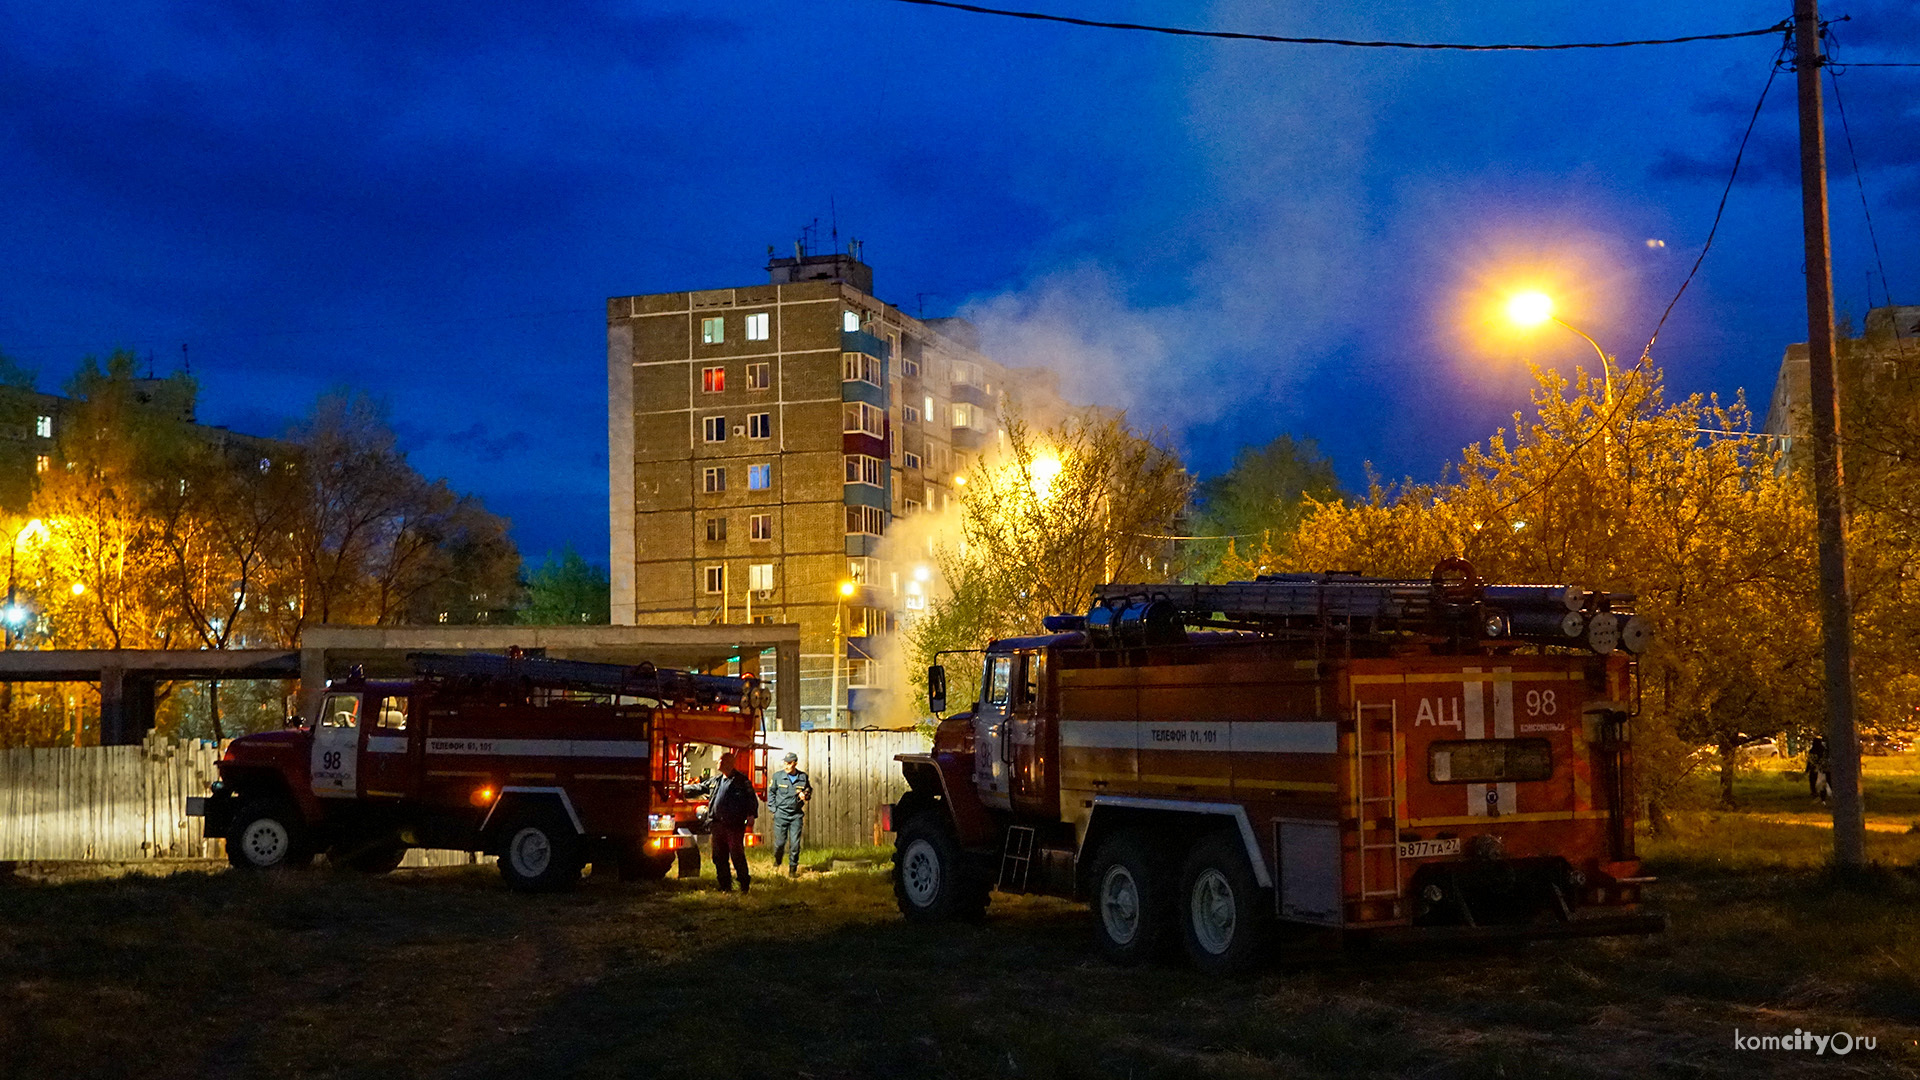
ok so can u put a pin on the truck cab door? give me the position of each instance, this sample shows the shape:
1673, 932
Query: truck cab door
335, 766
991, 756
1027, 725
387, 767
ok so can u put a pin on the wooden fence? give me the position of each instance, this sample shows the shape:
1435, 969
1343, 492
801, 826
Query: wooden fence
125, 803
853, 773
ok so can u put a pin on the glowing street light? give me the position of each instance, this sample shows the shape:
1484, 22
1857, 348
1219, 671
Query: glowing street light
1530, 309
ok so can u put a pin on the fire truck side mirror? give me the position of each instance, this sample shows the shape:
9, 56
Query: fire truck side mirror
937, 688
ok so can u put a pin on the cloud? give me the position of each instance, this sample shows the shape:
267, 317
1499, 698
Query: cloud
479, 441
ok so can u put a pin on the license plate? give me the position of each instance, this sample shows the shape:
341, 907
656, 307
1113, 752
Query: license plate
1427, 849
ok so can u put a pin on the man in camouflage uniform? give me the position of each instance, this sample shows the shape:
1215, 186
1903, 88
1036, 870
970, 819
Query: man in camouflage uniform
787, 797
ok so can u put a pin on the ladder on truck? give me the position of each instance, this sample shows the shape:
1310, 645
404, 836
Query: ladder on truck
1376, 741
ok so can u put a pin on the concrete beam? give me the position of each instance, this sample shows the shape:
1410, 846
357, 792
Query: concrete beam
85, 665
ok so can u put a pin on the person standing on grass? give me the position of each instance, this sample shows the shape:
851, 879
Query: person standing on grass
787, 798
733, 808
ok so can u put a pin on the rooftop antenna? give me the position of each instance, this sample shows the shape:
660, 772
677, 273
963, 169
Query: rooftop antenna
186, 364
833, 215
149, 363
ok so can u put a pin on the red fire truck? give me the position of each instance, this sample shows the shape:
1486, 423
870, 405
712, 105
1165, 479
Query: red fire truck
548, 764
1221, 766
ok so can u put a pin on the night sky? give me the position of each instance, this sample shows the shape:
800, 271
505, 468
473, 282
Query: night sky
431, 201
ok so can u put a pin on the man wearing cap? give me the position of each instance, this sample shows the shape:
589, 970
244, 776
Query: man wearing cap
787, 797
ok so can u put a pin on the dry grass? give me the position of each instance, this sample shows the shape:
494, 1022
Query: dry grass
443, 973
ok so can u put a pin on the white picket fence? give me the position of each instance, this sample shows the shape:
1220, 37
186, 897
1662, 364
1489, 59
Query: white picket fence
127, 803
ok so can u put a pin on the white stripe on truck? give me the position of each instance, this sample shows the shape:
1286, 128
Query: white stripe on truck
1259, 737
587, 748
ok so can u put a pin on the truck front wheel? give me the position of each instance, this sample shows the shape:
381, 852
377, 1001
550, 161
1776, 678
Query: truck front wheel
268, 834
1224, 923
1131, 905
932, 881
541, 854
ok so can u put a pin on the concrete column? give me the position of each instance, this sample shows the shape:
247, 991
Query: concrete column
786, 668
113, 705
313, 681
126, 707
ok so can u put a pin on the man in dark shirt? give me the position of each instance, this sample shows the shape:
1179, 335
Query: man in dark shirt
733, 808
787, 797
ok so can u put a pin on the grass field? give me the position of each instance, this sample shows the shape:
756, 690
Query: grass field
442, 973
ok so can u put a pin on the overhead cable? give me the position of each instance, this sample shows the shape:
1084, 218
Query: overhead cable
1278, 39
1772, 74
1840, 104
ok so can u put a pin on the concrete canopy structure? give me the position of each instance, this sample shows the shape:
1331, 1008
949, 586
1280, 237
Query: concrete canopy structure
127, 677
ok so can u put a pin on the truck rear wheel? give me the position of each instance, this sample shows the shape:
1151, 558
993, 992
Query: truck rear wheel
1223, 922
541, 854
932, 880
268, 834
1131, 903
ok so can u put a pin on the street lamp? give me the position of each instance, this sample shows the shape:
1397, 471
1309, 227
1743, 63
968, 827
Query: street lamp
1533, 308
847, 588
13, 615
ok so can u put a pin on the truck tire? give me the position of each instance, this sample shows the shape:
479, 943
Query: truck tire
932, 879
1132, 899
268, 834
1224, 923
540, 853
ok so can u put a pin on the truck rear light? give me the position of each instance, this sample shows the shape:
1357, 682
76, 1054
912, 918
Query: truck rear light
671, 842
482, 797
886, 817
752, 839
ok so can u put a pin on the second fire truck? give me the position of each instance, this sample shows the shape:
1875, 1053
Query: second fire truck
548, 764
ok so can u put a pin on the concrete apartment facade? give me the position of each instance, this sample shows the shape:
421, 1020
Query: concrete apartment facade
762, 442
1888, 347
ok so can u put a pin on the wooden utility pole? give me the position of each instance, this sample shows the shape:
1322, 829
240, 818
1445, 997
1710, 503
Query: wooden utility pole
1836, 597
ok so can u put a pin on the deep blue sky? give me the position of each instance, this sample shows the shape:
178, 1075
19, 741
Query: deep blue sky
430, 201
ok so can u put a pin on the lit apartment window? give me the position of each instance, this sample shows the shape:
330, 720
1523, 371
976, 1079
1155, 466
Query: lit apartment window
715, 480
910, 414
759, 325
759, 477
862, 469
716, 579
759, 376
716, 529
866, 520
714, 428
713, 380
859, 672
913, 460
849, 320
928, 411
968, 415
859, 571
760, 577
859, 367
911, 506
42, 463
43, 426
713, 331
863, 419
760, 425
760, 527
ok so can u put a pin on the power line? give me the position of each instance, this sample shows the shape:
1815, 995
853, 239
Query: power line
1177, 31
1855, 65
1772, 74
1859, 185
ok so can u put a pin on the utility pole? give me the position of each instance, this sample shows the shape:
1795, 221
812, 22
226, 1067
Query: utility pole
1836, 597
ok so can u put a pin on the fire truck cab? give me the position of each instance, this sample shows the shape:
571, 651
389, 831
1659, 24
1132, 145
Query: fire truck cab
1218, 766
550, 765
